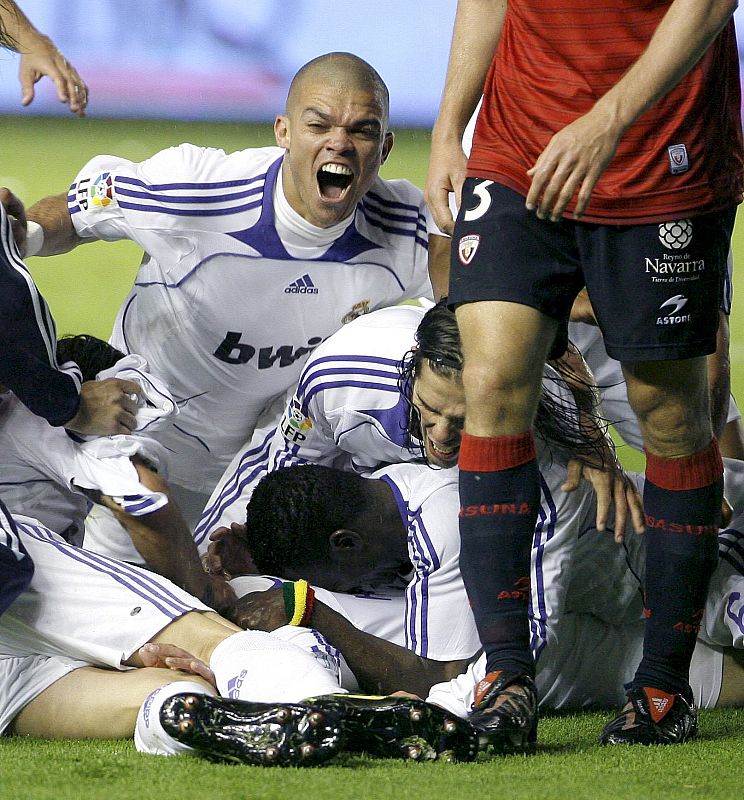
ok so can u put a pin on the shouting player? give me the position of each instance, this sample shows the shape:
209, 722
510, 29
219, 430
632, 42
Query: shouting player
252, 258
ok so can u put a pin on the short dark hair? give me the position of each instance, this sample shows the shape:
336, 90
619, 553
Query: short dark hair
344, 69
90, 353
294, 510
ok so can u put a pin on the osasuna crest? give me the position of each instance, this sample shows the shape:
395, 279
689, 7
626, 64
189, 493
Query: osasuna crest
467, 247
678, 159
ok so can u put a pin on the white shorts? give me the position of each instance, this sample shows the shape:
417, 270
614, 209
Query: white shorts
84, 606
588, 671
22, 679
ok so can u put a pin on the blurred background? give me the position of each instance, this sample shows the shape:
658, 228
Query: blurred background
215, 73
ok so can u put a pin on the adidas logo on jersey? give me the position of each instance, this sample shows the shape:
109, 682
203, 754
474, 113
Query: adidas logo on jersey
303, 285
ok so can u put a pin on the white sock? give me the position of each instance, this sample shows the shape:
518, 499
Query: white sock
260, 667
314, 643
149, 734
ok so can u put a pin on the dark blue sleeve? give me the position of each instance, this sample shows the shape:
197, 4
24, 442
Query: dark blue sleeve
28, 339
16, 567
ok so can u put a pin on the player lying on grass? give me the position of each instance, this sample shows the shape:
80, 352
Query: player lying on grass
331, 527
253, 258
386, 388
73, 653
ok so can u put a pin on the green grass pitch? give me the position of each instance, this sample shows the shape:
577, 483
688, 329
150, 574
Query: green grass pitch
41, 156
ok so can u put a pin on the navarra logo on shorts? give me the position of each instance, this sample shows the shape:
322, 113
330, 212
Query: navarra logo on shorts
676, 234
101, 190
673, 317
467, 247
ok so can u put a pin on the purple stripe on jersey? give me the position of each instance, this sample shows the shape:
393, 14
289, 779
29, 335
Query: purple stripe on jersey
728, 541
736, 618
419, 222
425, 561
140, 582
311, 370
161, 187
360, 384
168, 200
143, 505
233, 486
325, 647
387, 229
193, 436
9, 532
186, 212
393, 203
544, 532
732, 560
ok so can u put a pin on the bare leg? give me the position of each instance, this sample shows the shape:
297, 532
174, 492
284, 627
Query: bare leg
198, 633
94, 703
682, 500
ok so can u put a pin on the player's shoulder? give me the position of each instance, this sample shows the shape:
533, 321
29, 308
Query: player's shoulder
386, 332
397, 192
417, 484
192, 162
401, 318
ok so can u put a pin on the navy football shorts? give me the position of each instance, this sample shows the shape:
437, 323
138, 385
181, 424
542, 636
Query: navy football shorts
655, 288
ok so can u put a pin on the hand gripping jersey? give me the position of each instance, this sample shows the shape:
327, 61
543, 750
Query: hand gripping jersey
44, 470
236, 289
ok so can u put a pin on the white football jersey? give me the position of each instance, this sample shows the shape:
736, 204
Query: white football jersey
236, 289
347, 411
438, 619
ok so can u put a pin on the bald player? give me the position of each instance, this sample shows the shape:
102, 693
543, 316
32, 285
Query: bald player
252, 258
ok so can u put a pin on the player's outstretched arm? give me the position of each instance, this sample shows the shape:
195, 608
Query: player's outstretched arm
164, 540
40, 57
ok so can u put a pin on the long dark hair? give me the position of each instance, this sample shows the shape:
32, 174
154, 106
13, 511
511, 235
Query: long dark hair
565, 433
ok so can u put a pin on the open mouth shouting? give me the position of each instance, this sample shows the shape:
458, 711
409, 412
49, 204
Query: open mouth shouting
441, 454
334, 181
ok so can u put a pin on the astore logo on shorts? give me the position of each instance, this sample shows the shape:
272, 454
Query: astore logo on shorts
673, 306
676, 234
468, 247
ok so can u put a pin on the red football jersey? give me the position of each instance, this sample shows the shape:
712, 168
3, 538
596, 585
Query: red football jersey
683, 157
